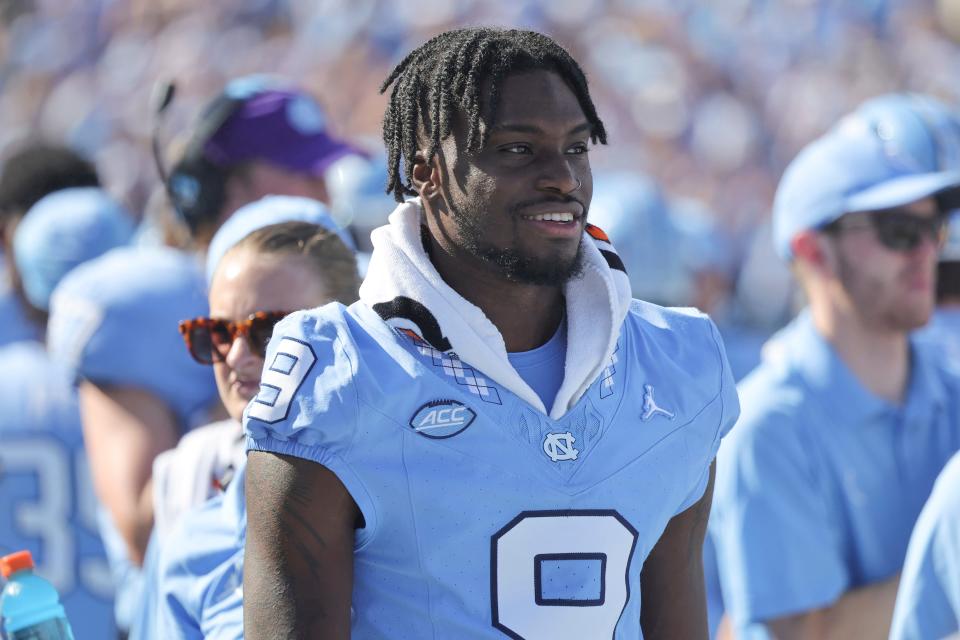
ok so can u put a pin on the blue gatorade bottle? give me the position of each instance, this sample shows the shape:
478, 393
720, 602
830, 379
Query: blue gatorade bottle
29, 605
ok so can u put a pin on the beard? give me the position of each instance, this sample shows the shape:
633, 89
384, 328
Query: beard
511, 262
874, 301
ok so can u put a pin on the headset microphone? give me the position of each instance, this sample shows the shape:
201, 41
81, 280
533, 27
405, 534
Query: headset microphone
163, 93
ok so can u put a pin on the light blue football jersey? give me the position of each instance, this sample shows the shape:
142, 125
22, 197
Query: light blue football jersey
928, 599
47, 504
113, 320
16, 326
484, 517
820, 484
196, 586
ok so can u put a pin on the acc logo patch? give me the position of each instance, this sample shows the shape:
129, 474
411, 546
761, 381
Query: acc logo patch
442, 419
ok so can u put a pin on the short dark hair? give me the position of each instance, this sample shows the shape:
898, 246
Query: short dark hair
39, 169
446, 74
331, 259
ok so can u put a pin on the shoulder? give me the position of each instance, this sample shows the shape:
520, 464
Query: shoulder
308, 387
685, 347
684, 336
40, 397
114, 320
945, 499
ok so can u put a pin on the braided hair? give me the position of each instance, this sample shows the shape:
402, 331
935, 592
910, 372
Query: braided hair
447, 73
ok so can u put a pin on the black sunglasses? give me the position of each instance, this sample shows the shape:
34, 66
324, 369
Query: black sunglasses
897, 229
209, 339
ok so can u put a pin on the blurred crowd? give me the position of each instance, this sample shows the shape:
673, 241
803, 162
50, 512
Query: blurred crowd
710, 99
705, 104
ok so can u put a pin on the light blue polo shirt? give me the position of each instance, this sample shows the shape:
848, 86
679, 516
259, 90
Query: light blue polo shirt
928, 602
196, 585
821, 482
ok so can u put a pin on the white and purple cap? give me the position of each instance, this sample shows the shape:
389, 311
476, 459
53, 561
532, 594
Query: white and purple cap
862, 164
277, 125
265, 212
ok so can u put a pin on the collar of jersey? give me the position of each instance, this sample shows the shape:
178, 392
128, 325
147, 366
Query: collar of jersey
849, 401
597, 304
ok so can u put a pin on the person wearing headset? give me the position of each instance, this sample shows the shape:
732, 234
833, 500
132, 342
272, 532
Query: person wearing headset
115, 321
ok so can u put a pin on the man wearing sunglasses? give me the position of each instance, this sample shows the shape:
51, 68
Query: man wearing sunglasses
848, 419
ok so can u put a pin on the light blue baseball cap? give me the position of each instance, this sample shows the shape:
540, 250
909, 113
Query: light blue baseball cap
62, 231
268, 211
859, 165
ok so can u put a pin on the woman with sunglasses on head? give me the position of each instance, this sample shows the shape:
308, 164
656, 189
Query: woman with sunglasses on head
269, 273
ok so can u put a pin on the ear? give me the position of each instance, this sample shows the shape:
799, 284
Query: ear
427, 176
811, 248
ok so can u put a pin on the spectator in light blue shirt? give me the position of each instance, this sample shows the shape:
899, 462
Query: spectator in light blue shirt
847, 421
928, 602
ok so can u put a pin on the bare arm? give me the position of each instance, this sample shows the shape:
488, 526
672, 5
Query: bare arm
860, 613
124, 429
673, 595
298, 562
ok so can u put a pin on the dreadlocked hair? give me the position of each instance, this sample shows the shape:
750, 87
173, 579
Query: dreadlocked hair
445, 75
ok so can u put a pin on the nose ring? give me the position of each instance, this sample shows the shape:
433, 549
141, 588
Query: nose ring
579, 184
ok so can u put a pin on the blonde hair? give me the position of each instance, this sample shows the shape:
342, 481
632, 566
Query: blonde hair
331, 259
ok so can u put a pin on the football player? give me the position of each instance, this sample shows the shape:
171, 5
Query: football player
33, 171
496, 439
46, 495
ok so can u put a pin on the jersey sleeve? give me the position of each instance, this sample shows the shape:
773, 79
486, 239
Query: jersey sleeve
777, 550
928, 599
113, 321
308, 404
726, 396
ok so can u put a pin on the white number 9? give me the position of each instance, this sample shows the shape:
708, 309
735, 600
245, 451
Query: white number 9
561, 574
290, 366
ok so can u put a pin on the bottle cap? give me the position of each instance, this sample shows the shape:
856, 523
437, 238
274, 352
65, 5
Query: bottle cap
15, 562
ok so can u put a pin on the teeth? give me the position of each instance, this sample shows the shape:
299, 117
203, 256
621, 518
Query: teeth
552, 217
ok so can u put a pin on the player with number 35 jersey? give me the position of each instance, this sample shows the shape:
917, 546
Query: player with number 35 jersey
496, 440
47, 504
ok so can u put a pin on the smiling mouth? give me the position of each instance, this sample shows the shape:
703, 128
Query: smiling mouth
551, 217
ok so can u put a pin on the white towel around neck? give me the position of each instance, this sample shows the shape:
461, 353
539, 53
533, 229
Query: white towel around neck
597, 303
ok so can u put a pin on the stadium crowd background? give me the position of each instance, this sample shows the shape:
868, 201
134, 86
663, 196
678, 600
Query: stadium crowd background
710, 99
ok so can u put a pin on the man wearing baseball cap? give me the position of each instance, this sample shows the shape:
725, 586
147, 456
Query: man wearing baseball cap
848, 420
259, 137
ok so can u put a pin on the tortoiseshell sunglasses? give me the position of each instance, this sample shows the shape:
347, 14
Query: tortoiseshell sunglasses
209, 339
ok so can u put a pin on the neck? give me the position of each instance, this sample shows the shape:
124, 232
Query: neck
879, 358
526, 315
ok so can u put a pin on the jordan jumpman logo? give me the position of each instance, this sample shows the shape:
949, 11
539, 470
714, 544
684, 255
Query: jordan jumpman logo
650, 408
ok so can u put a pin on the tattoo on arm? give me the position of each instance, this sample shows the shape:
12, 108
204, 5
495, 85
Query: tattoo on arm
299, 550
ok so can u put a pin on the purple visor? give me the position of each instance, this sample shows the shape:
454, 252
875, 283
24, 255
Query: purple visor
280, 127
